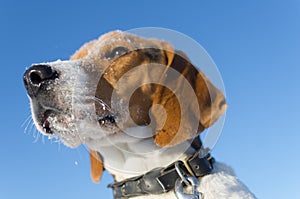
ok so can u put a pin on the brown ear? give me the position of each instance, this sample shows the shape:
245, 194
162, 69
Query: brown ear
191, 102
96, 166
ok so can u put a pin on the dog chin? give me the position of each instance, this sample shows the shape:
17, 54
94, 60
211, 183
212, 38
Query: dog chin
71, 143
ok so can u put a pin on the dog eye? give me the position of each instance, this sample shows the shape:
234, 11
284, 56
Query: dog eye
116, 52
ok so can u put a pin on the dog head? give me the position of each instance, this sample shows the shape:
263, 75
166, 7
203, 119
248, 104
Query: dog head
119, 82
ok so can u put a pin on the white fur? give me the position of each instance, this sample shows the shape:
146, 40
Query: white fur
126, 155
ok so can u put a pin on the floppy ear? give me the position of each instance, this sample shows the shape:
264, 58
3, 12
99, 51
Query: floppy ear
96, 166
191, 102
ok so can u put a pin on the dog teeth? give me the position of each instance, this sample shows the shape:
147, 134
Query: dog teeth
46, 124
46, 127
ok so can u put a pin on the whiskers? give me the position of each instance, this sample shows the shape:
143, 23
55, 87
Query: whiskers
101, 103
30, 129
28, 125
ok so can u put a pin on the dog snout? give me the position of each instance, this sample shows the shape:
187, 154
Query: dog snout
36, 75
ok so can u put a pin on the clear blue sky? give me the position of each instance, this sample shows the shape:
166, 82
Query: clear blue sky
255, 44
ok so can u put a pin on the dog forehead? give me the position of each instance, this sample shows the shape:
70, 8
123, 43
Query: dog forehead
96, 49
112, 35
118, 38
111, 39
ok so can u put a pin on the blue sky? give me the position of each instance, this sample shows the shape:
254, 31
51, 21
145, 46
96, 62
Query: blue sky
255, 44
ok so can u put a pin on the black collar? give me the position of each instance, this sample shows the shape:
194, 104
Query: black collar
162, 179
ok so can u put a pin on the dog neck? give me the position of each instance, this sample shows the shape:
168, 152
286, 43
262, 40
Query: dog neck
126, 155
164, 179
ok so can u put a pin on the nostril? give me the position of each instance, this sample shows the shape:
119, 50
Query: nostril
36, 75
35, 78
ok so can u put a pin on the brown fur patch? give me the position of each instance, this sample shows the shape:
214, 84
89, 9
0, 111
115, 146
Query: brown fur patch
96, 166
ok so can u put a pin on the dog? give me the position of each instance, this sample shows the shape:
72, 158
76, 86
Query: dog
138, 105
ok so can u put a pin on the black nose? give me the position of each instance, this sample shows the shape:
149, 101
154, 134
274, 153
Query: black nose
36, 75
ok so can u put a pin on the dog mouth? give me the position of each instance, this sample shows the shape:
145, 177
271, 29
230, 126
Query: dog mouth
49, 120
45, 123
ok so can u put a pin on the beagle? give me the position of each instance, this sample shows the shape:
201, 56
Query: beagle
138, 105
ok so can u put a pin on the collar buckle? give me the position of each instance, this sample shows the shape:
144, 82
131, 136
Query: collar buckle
193, 182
